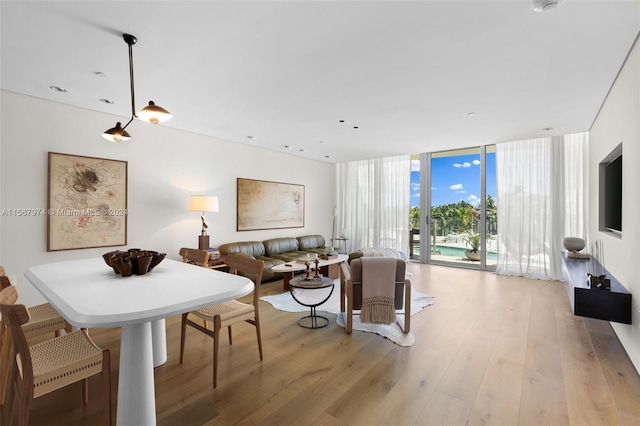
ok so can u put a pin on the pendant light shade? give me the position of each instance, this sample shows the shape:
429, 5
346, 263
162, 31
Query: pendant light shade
153, 113
116, 134
545, 5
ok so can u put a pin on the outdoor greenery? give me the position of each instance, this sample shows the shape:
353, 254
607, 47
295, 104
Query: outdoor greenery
473, 240
457, 218
414, 217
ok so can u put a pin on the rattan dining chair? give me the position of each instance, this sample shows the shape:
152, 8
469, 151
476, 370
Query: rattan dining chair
43, 319
228, 313
49, 365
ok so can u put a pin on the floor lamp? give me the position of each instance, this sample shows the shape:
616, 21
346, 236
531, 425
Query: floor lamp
203, 203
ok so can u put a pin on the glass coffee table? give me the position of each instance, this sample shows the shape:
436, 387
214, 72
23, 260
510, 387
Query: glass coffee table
299, 286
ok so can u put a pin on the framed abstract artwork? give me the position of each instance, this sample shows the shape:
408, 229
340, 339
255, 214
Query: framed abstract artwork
87, 202
269, 205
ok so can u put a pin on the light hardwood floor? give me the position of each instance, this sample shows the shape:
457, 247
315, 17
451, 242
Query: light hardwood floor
492, 350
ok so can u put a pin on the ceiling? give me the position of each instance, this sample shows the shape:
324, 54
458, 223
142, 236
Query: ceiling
334, 81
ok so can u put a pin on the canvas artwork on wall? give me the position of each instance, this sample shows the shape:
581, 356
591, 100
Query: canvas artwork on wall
87, 202
269, 205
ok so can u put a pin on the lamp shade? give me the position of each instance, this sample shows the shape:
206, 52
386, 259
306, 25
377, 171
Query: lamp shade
203, 203
116, 134
153, 113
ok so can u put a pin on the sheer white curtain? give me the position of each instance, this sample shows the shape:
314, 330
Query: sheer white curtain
542, 187
576, 186
373, 203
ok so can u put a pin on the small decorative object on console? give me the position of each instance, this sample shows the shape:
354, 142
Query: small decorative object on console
597, 272
573, 245
133, 261
600, 282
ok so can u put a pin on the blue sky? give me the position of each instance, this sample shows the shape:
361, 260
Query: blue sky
454, 179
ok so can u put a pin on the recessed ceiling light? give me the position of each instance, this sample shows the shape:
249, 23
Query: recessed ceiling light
251, 137
355, 127
301, 149
471, 114
546, 129
321, 141
100, 74
106, 101
326, 156
58, 89
288, 146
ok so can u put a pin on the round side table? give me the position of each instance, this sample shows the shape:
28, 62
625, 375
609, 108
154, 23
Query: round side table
313, 320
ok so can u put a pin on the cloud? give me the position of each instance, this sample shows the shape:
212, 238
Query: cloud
415, 165
456, 187
434, 188
461, 192
466, 164
472, 199
415, 186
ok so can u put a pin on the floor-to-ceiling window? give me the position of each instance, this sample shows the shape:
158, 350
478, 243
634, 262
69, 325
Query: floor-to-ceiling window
457, 190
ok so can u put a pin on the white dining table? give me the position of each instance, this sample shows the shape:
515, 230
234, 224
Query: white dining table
88, 294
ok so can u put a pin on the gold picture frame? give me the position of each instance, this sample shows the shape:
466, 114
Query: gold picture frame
269, 205
87, 202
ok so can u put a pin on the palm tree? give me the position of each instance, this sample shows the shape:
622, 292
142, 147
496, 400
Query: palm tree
414, 217
492, 215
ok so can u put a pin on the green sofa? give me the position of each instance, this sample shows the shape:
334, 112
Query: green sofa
276, 251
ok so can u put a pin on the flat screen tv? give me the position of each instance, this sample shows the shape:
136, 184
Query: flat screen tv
613, 195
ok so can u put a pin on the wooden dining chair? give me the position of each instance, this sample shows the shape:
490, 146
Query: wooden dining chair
47, 366
195, 257
43, 319
228, 313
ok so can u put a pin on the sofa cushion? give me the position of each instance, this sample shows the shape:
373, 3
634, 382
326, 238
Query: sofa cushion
290, 256
270, 262
310, 242
280, 245
252, 248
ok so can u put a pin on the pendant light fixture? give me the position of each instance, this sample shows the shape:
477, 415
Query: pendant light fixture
116, 134
545, 5
152, 113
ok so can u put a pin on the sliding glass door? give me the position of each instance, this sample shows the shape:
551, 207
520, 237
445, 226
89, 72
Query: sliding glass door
456, 189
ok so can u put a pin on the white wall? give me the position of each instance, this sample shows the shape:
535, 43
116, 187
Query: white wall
165, 166
619, 121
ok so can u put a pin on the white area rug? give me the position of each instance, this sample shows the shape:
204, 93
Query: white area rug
285, 302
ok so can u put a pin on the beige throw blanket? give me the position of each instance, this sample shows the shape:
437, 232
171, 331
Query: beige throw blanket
378, 289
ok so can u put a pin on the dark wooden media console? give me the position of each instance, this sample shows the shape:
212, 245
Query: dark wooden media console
611, 305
